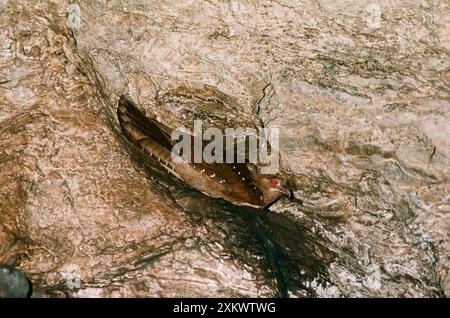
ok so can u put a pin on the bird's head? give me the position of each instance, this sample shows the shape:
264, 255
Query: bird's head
273, 188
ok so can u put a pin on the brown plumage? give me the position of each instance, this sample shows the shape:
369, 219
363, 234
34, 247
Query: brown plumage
237, 183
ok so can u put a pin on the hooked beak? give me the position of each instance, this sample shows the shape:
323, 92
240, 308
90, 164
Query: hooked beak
283, 191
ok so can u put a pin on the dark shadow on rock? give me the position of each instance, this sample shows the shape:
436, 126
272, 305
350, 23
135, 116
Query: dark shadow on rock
293, 255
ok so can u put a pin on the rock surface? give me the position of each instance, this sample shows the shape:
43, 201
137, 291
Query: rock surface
359, 90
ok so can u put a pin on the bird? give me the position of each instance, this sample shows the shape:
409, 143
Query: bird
13, 283
238, 183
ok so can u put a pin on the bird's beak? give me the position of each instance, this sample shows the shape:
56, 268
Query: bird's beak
283, 191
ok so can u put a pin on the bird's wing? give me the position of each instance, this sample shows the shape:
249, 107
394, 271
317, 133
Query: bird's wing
238, 177
149, 126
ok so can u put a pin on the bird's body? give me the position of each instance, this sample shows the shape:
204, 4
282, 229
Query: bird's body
238, 183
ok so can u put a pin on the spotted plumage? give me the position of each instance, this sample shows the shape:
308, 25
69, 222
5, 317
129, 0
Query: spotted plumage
237, 183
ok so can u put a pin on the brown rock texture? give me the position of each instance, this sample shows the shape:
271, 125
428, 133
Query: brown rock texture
359, 90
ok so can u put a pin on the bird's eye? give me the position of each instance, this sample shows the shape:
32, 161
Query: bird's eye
274, 182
